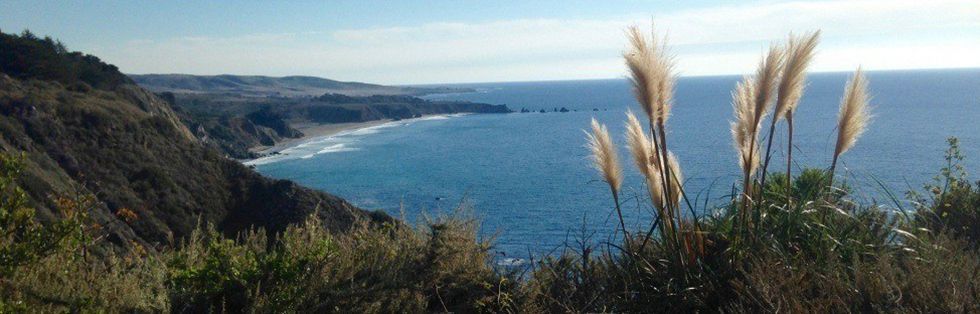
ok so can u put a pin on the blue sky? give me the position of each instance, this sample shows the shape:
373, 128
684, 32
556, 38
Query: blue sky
414, 42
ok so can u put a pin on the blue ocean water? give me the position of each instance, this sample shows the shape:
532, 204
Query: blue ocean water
527, 176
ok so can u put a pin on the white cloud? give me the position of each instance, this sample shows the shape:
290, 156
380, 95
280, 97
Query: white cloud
717, 40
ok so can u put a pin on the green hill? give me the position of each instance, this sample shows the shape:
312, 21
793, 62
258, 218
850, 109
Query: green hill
86, 129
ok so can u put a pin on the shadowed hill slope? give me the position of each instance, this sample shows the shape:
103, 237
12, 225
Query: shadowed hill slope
92, 132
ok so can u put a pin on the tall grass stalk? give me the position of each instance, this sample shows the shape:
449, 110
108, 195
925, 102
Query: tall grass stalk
606, 161
767, 79
653, 79
852, 119
651, 74
799, 52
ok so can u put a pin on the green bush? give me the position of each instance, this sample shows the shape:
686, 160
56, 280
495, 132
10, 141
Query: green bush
951, 204
23, 240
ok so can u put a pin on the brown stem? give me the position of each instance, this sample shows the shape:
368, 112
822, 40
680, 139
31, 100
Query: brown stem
765, 164
789, 157
748, 183
622, 223
668, 199
833, 166
660, 167
660, 212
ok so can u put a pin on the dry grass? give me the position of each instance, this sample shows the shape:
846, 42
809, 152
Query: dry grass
651, 73
744, 126
604, 156
644, 159
852, 120
799, 53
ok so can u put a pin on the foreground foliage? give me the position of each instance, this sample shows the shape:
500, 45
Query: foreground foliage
814, 255
439, 266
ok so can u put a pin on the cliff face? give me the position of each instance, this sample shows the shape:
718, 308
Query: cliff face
127, 148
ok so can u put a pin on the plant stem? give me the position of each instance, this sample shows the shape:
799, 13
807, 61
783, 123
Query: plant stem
833, 166
765, 164
747, 184
660, 211
619, 212
789, 157
668, 199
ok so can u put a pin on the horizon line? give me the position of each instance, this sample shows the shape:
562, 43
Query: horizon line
545, 80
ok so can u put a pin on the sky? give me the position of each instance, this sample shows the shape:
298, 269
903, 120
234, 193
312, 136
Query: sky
431, 42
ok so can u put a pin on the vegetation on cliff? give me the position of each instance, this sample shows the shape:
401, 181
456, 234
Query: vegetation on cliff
827, 255
30, 57
130, 152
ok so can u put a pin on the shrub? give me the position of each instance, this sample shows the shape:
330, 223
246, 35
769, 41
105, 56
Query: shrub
951, 204
51, 267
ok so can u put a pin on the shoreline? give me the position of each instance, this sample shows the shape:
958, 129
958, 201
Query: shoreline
312, 131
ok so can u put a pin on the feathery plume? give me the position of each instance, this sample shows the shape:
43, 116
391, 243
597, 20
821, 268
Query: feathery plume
639, 145
744, 127
766, 80
605, 160
677, 179
799, 52
656, 189
645, 159
853, 116
796, 57
604, 156
651, 74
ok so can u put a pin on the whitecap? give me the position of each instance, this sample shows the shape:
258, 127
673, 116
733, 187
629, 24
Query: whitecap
335, 148
511, 262
336, 142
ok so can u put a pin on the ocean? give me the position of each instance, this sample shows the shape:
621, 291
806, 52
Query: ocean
527, 176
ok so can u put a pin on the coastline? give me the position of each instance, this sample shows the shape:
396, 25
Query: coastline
312, 130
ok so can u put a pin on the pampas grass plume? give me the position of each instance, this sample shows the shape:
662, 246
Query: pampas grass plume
853, 117
604, 157
651, 74
799, 53
744, 126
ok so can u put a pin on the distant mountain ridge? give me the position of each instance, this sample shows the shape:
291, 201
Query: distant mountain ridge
259, 86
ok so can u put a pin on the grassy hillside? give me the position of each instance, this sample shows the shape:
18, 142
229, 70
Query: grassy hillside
130, 152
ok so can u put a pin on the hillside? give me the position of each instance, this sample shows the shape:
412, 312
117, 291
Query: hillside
288, 86
85, 129
233, 124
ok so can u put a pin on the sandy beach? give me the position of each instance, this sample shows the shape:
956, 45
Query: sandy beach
314, 130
